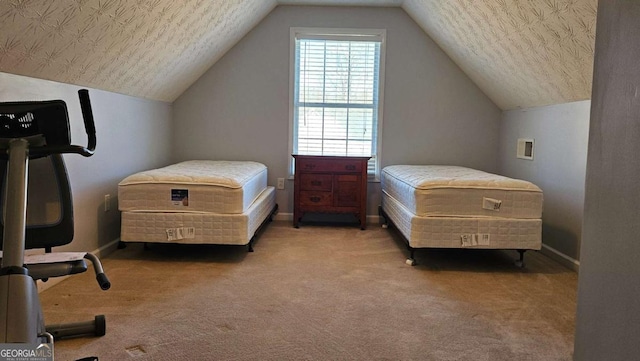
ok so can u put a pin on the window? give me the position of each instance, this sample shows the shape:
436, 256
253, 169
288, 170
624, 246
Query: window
336, 88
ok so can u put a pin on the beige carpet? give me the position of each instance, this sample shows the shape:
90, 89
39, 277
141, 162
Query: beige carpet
320, 293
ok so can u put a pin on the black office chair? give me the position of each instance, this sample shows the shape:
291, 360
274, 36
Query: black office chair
49, 204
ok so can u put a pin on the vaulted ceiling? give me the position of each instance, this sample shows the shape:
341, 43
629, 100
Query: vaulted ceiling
521, 53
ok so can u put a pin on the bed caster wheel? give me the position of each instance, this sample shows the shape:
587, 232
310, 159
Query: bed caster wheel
410, 262
385, 226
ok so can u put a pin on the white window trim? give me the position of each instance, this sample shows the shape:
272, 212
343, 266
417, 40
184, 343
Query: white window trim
337, 33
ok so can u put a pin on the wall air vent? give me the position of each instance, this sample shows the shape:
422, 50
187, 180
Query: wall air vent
525, 149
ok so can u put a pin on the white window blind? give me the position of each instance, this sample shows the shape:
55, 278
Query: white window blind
336, 95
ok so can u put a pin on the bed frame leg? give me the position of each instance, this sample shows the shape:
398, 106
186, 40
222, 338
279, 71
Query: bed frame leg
250, 245
520, 261
411, 261
383, 218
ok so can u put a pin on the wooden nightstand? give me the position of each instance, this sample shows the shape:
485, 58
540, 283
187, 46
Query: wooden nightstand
327, 184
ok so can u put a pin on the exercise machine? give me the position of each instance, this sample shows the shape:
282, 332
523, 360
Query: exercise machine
39, 131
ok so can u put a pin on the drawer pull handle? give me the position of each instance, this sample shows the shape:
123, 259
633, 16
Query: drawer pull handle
314, 199
350, 167
316, 183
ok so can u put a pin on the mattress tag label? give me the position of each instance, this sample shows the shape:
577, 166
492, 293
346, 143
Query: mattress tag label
475, 239
468, 240
483, 239
491, 204
174, 234
180, 197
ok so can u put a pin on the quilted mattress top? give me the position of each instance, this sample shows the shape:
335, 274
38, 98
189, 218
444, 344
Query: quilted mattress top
447, 176
228, 174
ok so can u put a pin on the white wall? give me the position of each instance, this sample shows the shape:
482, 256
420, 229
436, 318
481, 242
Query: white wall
433, 113
132, 134
558, 167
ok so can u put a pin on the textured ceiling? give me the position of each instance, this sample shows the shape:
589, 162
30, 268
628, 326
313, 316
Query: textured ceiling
147, 48
521, 53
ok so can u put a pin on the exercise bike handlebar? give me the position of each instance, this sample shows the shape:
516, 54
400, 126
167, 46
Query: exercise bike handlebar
90, 128
89, 125
101, 277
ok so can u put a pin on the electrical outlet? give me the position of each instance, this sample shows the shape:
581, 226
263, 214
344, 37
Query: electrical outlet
107, 202
280, 183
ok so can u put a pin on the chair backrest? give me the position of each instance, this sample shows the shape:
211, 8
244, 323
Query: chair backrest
49, 203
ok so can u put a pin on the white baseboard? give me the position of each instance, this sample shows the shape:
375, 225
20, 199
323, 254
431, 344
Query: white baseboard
283, 216
100, 253
560, 257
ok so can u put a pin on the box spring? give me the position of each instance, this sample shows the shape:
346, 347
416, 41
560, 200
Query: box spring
447, 232
198, 227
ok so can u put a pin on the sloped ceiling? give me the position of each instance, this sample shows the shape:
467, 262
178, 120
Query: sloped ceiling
520, 53
147, 48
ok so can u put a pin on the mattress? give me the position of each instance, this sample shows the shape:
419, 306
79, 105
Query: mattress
197, 227
451, 191
194, 186
463, 232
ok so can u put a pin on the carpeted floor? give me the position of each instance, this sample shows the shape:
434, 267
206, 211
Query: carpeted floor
320, 293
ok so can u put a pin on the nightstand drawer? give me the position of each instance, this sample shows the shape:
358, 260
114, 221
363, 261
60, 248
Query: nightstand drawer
329, 165
313, 198
315, 182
